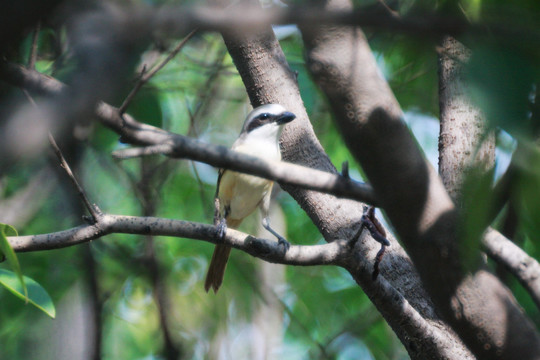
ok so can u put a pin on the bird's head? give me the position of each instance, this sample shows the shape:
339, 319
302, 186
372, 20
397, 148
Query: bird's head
266, 121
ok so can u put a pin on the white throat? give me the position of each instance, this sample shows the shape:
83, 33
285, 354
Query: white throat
261, 142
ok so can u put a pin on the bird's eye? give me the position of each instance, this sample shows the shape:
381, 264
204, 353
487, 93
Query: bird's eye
258, 121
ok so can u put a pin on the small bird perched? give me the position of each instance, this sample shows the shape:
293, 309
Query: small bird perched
240, 194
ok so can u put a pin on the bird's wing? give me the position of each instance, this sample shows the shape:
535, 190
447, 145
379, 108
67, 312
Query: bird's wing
217, 215
220, 175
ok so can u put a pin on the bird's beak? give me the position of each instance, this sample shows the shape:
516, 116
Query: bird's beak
285, 118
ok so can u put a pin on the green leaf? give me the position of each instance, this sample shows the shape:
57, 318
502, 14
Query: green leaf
7, 250
34, 293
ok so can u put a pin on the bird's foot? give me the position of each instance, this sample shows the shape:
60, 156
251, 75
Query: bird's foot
221, 229
284, 244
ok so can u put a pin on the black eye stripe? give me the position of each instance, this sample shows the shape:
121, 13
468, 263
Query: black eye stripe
258, 121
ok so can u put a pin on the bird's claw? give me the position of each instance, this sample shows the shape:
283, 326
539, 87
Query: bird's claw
221, 230
284, 244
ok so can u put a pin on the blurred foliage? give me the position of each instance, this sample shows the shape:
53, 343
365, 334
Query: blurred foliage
325, 314
502, 81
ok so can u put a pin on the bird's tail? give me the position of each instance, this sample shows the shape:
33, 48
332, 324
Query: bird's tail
218, 264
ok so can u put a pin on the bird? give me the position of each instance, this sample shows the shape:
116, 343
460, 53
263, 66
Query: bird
240, 194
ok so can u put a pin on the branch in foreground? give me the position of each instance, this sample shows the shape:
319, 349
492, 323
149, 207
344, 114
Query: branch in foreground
302, 255
180, 19
134, 132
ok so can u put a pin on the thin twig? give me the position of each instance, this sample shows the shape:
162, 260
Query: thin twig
92, 208
133, 92
146, 76
29, 98
33, 50
391, 11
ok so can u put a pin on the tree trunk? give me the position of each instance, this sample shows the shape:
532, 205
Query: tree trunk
268, 78
413, 195
462, 123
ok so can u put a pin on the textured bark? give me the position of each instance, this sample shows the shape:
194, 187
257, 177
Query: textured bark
462, 144
462, 140
413, 195
299, 255
525, 268
268, 78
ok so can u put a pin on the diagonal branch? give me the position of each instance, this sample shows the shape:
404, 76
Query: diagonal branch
525, 268
134, 132
464, 141
93, 209
146, 76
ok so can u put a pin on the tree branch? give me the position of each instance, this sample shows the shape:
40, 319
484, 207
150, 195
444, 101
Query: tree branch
337, 253
460, 144
179, 146
92, 208
136, 152
299, 255
428, 24
525, 268
463, 142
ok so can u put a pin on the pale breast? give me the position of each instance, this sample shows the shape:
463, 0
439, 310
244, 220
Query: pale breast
242, 193
267, 149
